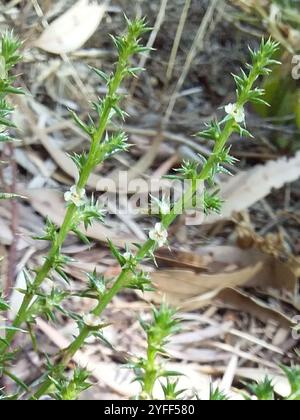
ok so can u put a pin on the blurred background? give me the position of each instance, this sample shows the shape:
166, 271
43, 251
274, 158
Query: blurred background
235, 276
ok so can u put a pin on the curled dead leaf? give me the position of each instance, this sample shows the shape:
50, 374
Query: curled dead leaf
71, 30
190, 290
248, 187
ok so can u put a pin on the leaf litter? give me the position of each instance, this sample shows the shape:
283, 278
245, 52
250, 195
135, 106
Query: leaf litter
234, 301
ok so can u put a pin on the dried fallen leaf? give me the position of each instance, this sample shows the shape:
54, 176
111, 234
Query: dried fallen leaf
186, 284
274, 274
71, 30
181, 259
238, 300
235, 299
245, 189
191, 291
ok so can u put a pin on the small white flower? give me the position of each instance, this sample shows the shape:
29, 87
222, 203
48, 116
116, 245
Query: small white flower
91, 320
127, 256
75, 196
159, 234
236, 112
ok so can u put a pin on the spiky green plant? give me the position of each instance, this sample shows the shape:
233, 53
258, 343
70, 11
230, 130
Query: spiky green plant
149, 370
81, 210
265, 390
9, 57
217, 395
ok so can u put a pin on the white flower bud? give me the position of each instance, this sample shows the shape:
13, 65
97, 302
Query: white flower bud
236, 112
75, 196
127, 256
159, 234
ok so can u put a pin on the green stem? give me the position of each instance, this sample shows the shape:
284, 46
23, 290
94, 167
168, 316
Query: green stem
40, 277
15, 379
42, 390
143, 251
69, 353
72, 210
150, 374
108, 296
80, 340
149, 245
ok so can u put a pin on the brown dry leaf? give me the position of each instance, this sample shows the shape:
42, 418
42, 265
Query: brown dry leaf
180, 259
220, 260
179, 285
274, 273
71, 30
238, 300
190, 290
246, 188
49, 203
